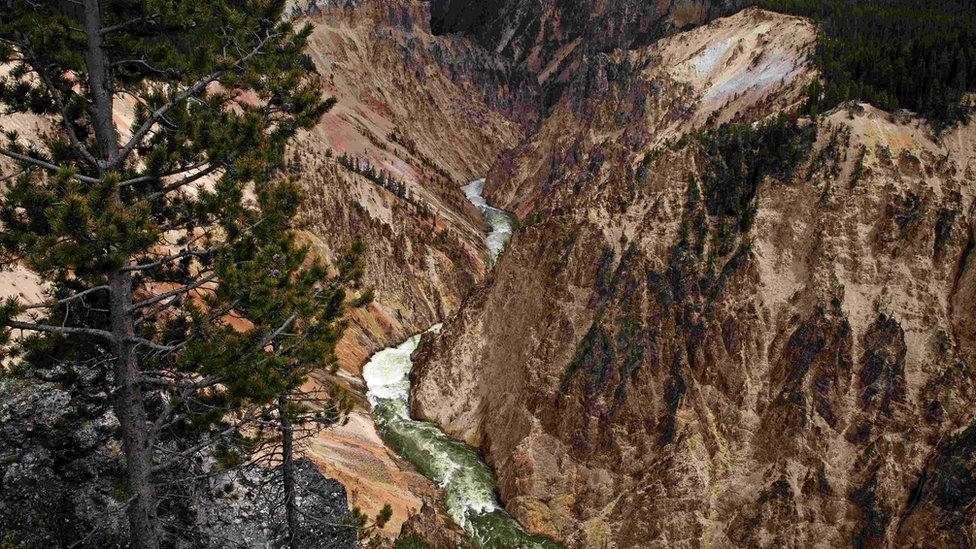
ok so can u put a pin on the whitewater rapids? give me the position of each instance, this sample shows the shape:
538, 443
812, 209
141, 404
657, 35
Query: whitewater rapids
467, 482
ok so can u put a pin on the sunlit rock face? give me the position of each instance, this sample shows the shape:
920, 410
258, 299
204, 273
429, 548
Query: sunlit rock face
411, 106
636, 384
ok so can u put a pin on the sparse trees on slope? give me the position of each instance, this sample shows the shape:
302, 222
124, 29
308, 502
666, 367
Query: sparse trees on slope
160, 239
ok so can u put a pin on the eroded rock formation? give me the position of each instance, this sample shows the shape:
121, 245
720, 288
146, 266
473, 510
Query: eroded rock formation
641, 375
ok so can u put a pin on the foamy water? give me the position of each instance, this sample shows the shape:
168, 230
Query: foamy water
500, 223
467, 482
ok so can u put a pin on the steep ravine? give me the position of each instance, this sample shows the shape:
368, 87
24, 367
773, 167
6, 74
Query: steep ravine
425, 111
467, 482
638, 378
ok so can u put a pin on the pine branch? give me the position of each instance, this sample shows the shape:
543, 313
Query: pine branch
93, 332
197, 87
62, 109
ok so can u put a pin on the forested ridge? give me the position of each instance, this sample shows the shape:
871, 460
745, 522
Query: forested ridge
913, 54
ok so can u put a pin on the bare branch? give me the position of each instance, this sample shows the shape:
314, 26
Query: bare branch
46, 165
162, 421
171, 258
79, 295
64, 330
146, 178
280, 330
144, 63
178, 291
140, 341
209, 442
183, 182
114, 28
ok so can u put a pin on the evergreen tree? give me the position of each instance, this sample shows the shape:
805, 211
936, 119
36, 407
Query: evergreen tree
167, 244
914, 54
290, 299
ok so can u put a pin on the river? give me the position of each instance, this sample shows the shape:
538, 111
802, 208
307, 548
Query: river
467, 482
500, 223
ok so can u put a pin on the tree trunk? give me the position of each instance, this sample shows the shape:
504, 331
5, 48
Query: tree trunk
288, 472
129, 407
100, 88
144, 531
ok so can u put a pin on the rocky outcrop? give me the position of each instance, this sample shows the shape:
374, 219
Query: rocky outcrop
432, 529
50, 440
660, 360
61, 481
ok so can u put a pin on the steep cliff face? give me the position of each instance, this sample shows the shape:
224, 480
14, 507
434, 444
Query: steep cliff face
412, 107
661, 359
550, 41
407, 108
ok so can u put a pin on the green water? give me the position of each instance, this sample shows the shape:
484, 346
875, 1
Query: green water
468, 484
500, 223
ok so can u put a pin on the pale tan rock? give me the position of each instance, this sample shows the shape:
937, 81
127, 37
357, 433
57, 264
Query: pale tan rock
817, 391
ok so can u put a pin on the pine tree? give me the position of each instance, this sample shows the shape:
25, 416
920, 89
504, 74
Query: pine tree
289, 297
895, 54
167, 244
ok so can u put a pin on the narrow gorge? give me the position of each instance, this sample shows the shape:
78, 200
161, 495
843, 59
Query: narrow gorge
591, 273
468, 483
683, 346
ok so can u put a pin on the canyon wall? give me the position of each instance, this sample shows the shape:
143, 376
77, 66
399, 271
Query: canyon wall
647, 367
548, 36
551, 41
431, 113
407, 106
